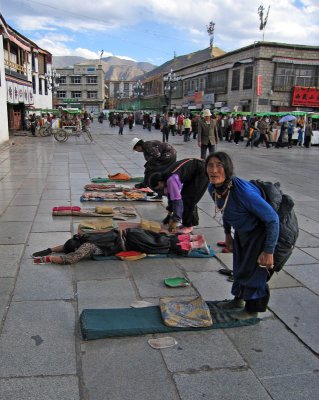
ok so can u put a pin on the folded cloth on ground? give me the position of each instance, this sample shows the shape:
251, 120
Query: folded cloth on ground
120, 176
130, 255
149, 225
192, 312
103, 210
66, 208
99, 225
102, 187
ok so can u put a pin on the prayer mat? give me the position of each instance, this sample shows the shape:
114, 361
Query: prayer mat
96, 225
106, 180
193, 254
118, 196
120, 213
119, 322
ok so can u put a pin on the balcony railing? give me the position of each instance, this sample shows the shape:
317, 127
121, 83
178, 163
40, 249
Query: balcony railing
15, 67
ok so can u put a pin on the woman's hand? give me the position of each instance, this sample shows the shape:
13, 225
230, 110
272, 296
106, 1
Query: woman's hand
266, 260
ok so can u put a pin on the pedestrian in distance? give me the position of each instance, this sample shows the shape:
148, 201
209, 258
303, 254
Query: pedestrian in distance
121, 126
207, 137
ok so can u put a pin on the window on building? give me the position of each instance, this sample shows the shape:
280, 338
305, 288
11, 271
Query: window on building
34, 84
76, 79
217, 81
91, 79
61, 94
235, 79
41, 64
185, 88
77, 94
45, 87
40, 86
33, 62
62, 80
248, 77
201, 84
126, 87
284, 77
92, 95
194, 85
306, 76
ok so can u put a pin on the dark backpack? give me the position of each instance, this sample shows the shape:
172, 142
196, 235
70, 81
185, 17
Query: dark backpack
288, 224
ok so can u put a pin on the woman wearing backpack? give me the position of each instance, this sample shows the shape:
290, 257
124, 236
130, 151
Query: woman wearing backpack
256, 228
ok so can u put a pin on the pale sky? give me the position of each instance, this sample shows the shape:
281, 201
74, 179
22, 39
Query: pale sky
153, 30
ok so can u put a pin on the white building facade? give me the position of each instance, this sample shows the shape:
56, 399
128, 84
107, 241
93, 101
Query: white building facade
23, 85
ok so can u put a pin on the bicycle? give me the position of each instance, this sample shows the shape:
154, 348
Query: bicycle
46, 130
63, 134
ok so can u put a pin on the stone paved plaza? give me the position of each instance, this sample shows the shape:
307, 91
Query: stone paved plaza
42, 354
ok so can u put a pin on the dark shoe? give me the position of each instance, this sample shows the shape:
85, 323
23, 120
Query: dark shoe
42, 253
140, 185
225, 271
221, 244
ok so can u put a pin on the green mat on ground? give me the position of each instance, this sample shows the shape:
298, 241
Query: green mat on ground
116, 322
107, 180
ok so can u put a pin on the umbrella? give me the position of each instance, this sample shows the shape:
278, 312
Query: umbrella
287, 118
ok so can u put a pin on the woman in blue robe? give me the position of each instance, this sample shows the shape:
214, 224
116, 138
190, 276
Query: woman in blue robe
255, 226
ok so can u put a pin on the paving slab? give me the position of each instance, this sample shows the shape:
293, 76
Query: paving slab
56, 194
41, 241
314, 252
300, 257
271, 350
198, 264
6, 289
292, 307
202, 350
126, 368
88, 270
282, 280
225, 384
307, 275
45, 222
308, 224
40, 388
14, 232
43, 282
10, 256
306, 239
111, 293
211, 285
19, 213
26, 200
149, 275
293, 386
38, 339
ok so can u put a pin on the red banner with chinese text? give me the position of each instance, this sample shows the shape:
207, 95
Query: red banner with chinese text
305, 96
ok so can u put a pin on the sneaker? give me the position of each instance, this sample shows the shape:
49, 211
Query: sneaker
232, 304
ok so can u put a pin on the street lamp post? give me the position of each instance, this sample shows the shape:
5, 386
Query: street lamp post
120, 96
170, 85
52, 77
138, 89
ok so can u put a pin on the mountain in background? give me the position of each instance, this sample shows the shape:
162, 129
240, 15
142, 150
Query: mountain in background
184, 61
115, 68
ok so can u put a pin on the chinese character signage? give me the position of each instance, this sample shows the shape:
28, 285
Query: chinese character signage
305, 96
259, 85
